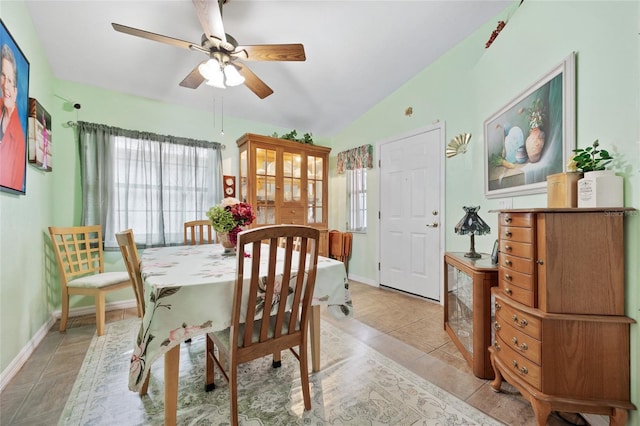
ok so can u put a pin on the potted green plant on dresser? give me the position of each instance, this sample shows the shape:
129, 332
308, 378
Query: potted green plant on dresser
599, 187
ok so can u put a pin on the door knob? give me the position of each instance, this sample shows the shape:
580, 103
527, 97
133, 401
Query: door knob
432, 225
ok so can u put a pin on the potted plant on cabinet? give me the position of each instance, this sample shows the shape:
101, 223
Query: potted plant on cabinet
599, 187
590, 158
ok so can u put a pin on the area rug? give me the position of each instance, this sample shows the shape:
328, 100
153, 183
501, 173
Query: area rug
356, 386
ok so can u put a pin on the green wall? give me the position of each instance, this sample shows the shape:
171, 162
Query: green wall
470, 83
29, 287
462, 89
25, 298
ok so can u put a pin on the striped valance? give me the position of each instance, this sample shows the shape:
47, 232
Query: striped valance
356, 158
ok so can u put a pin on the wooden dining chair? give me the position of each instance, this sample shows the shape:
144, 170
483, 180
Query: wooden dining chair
127, 244
80, 260
282, 325
198, 232
340, 244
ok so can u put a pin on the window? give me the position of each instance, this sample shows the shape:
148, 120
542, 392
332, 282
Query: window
149, 183
357, 200
355, 163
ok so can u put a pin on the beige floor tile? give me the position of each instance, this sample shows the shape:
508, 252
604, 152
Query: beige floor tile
405, 328
11, 399
449, 378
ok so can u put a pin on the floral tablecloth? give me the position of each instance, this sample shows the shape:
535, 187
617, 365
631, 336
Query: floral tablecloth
189, 291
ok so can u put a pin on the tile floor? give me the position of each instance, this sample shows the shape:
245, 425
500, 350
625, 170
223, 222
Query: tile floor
406, 329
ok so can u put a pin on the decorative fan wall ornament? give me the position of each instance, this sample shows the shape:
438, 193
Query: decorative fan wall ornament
458, 145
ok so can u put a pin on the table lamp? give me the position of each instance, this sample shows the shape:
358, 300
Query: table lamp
472, 224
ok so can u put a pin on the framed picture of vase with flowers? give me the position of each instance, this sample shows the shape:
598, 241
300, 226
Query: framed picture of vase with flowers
532, 136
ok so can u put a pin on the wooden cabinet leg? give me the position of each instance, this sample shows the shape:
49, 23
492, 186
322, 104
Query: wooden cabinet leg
618, 417
497, 381
541, 410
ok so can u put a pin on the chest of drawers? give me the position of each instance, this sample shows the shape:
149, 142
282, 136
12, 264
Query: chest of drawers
560, 311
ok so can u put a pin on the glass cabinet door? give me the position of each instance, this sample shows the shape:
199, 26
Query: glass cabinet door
265, 182
292, 178
315, 181
460, 306
242, 188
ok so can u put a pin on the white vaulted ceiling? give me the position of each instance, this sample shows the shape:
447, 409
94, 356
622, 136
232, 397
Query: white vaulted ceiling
358, 52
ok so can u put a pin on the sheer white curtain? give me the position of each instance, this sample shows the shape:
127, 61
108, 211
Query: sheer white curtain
147, 182
357, 199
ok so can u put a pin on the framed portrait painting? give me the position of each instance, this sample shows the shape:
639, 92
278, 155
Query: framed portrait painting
533, 136
14, 87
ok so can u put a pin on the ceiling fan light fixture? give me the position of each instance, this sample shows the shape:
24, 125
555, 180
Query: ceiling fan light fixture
207, 69
212, 73
233, 77
216, 81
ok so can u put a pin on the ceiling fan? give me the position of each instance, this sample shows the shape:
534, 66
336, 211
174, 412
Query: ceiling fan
223, 68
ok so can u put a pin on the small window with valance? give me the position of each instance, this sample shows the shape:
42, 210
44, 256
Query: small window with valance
354, 163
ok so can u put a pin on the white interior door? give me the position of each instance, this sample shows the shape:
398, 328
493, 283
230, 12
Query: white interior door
411, 182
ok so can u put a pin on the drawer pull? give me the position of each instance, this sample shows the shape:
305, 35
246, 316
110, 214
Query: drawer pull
523, 322
496, 326
497, 346
508, 262
507, 219
540, 262
514, 340
507, 248
508, 234
508, 277
521, 370
498, 306
508, 291
523, 347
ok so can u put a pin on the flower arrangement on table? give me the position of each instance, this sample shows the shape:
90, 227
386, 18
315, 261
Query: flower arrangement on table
230, 216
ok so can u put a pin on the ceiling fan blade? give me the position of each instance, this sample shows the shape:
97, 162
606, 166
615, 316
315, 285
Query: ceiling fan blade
155, 37
253, 82
194, 79
274, 52
210, 16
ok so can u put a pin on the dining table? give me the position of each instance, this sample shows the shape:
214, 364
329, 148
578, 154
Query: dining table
188, 291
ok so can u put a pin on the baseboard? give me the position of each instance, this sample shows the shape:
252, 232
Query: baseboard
88, 310
363, 280
24, 354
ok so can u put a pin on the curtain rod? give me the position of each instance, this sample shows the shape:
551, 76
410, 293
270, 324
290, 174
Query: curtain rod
74, 124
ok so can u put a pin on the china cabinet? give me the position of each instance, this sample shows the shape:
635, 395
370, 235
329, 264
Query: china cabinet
285, 181
561, 337
468, 311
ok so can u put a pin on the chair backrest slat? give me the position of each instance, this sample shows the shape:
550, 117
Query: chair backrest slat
198, 232
127, 244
